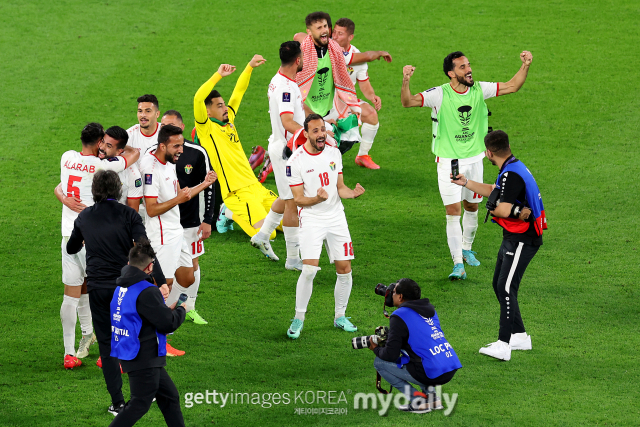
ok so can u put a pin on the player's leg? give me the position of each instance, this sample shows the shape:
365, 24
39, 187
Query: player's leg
451, 195
470, 201
290, 227
369, 130
195, 248
340, 247
312, 238
86, 325
271, 202
72, 277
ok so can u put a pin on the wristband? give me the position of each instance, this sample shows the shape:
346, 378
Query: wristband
515, 211
466, 182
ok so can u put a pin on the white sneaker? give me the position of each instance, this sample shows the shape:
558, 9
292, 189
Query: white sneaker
264, 246
85, 342
293, 265
520, 341
499, 349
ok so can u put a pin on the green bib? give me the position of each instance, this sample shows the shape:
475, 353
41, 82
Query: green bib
320, 98
462, 124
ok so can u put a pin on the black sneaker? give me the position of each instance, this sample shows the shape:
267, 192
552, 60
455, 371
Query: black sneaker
115, 410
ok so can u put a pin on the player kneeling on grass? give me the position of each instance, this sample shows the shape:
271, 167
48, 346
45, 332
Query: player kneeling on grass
315, 177
140, 321
416, 350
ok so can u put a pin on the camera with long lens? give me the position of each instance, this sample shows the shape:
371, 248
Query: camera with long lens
386, 292
380, 338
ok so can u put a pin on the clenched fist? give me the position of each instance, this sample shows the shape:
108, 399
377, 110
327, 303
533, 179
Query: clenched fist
322, 194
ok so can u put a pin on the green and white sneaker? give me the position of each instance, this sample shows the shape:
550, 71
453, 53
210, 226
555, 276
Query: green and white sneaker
85, 342
458, 272
295, 329
197, 319
344, 324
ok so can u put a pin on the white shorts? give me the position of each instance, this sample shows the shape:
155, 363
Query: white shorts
335, 235
74, 267
275, 149
194, 243
452, 193
173, 255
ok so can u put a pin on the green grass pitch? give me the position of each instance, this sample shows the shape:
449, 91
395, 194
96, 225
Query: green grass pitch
573, 123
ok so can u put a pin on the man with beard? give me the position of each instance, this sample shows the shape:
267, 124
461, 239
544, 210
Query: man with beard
315, 177
145, 134
460, 123
246, 201
162, 195
287, 114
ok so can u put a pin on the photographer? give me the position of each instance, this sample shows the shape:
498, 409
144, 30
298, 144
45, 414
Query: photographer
140, 320
414, 330
516, 205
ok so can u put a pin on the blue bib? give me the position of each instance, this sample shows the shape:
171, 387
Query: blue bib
427, 341
126, 323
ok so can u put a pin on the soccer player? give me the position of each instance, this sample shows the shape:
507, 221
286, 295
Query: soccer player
246, 201
144, 135
114, 143
191, 168
315, 177
162, 195
76, 176
343, 35
460, 123
287, 114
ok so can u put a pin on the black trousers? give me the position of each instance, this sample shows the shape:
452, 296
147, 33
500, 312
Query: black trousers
99, 301
145, 384
513, 259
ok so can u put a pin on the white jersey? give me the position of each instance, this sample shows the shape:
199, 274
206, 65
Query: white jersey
284, 97
432, 98
76, 177
141, 142
160, 182
131, 184
357, 72
313, 171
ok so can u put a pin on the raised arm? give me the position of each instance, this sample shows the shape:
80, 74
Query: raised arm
369, 56
345, 192
514, 85
406, 98
131, 155
243, 83
199, 108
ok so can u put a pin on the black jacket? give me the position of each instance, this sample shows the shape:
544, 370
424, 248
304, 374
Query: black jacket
399, 339
108, 230
191, 168
155, 315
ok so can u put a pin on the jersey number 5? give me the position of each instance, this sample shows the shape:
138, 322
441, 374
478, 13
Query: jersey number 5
324, 179
72, 190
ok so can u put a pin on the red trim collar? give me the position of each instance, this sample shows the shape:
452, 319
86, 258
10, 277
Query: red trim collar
461, 93
305, 149
286, 77
87, 155
154, 132
154, 155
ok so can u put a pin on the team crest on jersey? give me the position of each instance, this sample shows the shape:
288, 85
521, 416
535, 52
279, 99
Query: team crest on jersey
350, 70
138, 182
148, 178
288, 170
286, 97
332, 165
188, 169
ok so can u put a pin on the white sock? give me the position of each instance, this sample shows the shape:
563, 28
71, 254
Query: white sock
176, 290
270, 223
84, 315
228, 214
304, 289
469, 227
368, 135
341, 293
68, 317
293, 244
454, 238
192, 292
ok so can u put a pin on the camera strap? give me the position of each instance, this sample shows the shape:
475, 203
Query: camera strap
379, 384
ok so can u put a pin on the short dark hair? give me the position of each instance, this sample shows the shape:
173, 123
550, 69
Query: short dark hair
142, 254
106, 185
149, 98
497, 142
120, 135
92, 133
173, 113
310, 117
409, 289
348, 24
314, 17
214, 94
448, 61
289, 52
167, 132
